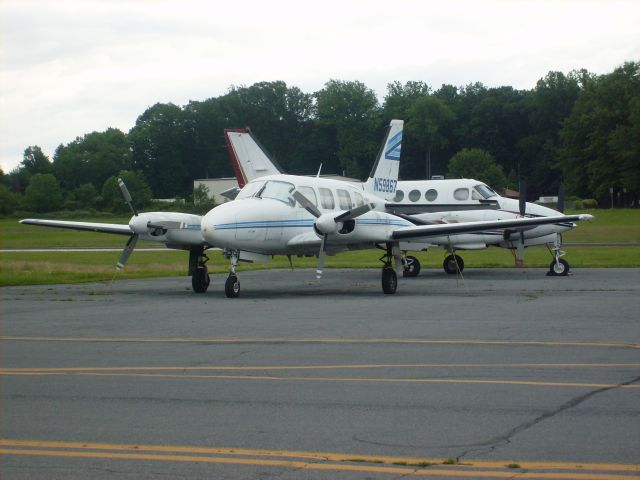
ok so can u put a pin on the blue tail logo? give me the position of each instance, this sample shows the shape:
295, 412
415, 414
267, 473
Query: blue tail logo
394, 146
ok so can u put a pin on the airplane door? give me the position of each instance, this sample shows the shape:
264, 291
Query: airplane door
274, 230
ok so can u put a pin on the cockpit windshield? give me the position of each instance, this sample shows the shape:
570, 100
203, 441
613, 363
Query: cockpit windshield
484, 191
250, 189
278, 191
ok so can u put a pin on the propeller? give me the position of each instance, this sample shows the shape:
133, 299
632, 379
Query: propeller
561, 198
522, 203
133, 239
127, 196
327, 223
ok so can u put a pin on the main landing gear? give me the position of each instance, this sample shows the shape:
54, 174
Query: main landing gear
389, 277
411, 266
558, 267
453, 264
198, 270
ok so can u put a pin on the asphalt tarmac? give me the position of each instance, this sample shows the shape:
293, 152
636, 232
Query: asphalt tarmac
506, 372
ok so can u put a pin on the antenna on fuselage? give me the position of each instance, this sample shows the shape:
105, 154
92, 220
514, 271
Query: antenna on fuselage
319, 170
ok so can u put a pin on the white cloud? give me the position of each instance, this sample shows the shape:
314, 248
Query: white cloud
72, 67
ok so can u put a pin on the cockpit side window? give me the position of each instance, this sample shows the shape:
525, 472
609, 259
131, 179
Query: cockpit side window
484, 191
278, 191
250, 189
326, 199
461, 194
310, 193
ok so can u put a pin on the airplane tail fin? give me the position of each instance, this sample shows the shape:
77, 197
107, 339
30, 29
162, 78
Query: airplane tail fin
383, 178
249, 158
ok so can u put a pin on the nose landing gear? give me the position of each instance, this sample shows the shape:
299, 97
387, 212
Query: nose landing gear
559, 267
232, 284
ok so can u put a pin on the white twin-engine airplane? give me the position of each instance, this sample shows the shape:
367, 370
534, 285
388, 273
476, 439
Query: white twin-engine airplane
297, 215
425, 202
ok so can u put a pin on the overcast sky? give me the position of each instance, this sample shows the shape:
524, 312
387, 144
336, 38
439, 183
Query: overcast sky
68, 67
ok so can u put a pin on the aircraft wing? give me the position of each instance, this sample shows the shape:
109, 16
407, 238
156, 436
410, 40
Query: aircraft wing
116, 228
305, 241
421, 231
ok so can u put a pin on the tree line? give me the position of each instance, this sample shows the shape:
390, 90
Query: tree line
579, 129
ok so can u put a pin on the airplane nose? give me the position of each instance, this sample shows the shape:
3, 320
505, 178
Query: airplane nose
208, 229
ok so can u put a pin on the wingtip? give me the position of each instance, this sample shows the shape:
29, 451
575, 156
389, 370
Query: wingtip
586, 217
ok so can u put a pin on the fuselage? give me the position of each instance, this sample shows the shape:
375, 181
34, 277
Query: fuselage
468, 200
265, 218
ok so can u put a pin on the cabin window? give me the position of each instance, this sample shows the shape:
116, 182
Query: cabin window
414, 195
399, 196
461, 194
309, 193
344, 200
278, 191
358, 199
431, 195
326, 199
250, 189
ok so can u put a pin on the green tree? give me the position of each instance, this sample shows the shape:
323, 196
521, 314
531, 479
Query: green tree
35, 161
92, 158
136, 184
477, 164
9, 201
348, 112
428, 120
600, 147
159, 141
43, 193
86, 195
547, 106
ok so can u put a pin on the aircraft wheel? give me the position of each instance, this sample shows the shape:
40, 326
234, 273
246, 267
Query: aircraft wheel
389, 280
232, 286
412, 268
449, 264
559, 268
200, 280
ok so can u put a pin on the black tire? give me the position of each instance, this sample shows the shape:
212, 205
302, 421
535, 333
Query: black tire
559, 269
412, 268
232, 286
200, 280
449, 264
389, 280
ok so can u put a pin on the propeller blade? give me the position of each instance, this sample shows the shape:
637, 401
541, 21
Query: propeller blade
561, 198
307, 204
321, 256
354, 212
131, 244
523, 198
127, 196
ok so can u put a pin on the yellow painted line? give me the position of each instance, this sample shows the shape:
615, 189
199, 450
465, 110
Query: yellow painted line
273, 378
356, 341
230, 368
325, 465
186, 368
328, 456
